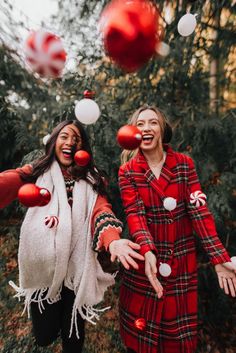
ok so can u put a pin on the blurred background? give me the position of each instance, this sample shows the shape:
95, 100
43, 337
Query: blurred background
194, 84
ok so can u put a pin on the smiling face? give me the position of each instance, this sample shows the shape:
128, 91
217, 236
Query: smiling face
149, 124
67, 143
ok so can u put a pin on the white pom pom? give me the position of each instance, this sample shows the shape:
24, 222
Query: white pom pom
233, 259
198, 198
169, 203
164, 269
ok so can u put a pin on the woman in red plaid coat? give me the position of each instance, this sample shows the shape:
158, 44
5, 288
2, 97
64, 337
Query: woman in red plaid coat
164, 203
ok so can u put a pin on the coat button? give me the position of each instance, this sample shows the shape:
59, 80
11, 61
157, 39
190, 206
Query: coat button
169, 252
149, 220
170, 220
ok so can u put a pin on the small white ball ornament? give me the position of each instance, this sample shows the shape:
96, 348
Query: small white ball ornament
87, 111
164, 269
187, 24
169, 203
233, 259
46, 138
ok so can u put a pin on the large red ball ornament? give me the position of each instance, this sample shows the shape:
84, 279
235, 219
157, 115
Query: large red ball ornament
89, 94
29, 195
45, 54
130, 32
45, 197
140, 324
129, 137
82, 158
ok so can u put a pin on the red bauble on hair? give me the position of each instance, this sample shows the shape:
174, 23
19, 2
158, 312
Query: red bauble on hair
129, 137
130, 32
82, 158
29, 195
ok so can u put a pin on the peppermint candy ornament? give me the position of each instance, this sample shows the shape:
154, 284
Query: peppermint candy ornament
51, 221
45, 54
198, 198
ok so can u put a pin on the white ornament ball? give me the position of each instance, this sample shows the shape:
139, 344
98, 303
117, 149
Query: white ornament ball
169, 203
187, 24
163, 49
51, 221
164, 269
87, 111
233, 259
46, 138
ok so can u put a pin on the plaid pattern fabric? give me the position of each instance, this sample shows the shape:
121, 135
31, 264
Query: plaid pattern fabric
171, 322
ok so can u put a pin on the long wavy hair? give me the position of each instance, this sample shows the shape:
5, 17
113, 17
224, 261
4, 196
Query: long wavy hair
166, 130
42, 164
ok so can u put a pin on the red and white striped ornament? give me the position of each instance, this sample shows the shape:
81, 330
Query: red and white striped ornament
51, 221
198, 198
44, 53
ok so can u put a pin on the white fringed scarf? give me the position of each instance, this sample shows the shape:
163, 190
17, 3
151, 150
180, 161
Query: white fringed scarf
49, 258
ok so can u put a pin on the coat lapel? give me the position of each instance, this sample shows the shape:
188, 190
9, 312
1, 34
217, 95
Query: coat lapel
159, 185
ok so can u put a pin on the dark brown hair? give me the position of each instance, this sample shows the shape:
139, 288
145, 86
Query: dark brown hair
43, 163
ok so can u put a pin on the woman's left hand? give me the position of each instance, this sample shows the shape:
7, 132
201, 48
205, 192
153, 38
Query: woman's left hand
124, 251
226, 277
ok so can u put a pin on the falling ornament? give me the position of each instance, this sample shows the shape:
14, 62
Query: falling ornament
187, 24
140, 324
198, 198
46, 138
29, 195
129, 137
130, 32
164, 269
82, 158
45, 197
233, 259
86, 110
51, 221
169, 203
44, 53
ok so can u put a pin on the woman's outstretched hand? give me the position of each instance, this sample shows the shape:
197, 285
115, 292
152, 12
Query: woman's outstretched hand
125, 251
227, 277
151, 272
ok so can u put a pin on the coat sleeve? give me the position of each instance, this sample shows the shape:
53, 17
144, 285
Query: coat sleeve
105, 226
135, 213
10, 183
202, 219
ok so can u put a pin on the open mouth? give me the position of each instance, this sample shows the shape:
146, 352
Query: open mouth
147, 138
67, 153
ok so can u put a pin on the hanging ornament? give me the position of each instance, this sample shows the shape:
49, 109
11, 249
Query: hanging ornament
29, 195
51, 221
45, 197
140, 324
82, 158
44, 53
169, 203
163, 49
46, 138
233, 259
198, 198
130, 32
187, 24
129, 137
87, 111
164, 269
89, 94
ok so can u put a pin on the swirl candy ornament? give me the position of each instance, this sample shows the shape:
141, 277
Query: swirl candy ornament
51, 221
198, 198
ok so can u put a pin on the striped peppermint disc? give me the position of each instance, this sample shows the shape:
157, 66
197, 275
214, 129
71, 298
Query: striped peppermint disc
51, 221
44, 53
198, 198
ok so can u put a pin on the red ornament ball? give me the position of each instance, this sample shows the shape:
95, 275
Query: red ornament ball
129, 137
82, 158
140, 324
29, 195
45, 54
45, 197
89, 94
130, 32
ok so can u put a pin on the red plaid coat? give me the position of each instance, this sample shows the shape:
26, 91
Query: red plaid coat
171, 322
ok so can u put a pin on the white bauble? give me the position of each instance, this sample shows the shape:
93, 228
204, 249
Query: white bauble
187, 24
169, 203
87, 111
164, 270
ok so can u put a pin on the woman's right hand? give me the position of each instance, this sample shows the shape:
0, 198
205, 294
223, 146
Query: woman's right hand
151, 272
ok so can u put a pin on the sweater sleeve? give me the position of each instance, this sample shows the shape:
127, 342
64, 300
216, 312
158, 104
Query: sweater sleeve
10, 183
135, 213
202, 219
105, 226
